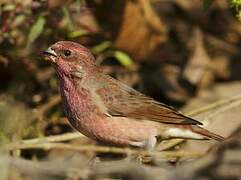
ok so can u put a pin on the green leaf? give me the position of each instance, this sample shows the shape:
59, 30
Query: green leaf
236, 3
19, 19
101, 47
36, 30
67, 18
9, 7
239, 16
207, 4
123, 58
77, 33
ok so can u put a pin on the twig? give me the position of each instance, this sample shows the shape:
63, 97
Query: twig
223, 109
54, 138
102, 149
214, 105
169, 144
50, 169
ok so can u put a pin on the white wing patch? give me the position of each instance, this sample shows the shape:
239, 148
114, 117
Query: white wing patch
176, 132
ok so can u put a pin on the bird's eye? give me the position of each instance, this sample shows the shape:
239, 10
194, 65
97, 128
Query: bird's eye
67, 52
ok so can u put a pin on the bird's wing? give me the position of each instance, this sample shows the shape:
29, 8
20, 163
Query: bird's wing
122, 100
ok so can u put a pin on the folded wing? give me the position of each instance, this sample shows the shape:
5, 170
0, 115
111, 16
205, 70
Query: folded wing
122, 100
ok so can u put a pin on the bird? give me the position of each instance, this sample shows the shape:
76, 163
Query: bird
108, 111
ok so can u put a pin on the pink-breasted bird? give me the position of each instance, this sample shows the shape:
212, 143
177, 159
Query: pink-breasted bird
106, 110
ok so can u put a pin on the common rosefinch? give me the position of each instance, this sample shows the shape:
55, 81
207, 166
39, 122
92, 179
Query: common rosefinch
109, 111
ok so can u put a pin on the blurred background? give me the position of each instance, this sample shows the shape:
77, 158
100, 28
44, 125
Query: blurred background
183, 53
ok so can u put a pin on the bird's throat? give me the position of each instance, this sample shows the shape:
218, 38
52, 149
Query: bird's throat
76, 99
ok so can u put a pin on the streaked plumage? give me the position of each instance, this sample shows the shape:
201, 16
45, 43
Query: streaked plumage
109, 111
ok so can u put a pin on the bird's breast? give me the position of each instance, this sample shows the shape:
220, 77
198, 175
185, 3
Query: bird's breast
78, 106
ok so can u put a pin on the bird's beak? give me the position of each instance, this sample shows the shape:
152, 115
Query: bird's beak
50, 54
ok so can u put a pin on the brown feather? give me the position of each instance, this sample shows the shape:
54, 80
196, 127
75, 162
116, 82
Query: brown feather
206, 133
124, 101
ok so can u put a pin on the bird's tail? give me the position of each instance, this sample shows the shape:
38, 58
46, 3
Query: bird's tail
206, 133
191, 132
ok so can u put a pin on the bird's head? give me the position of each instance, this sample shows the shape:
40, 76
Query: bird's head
70, 58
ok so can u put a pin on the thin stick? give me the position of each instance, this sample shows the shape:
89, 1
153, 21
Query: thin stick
54, 138
223, 109
214, 105
101, 149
